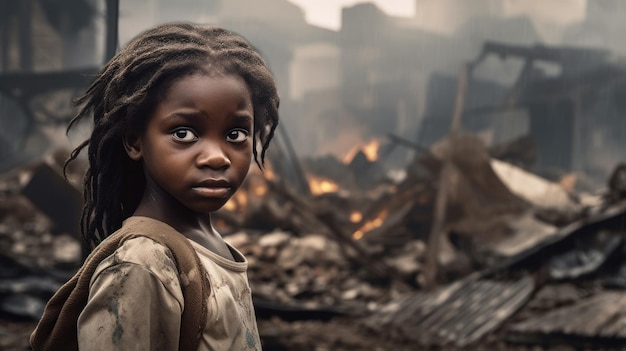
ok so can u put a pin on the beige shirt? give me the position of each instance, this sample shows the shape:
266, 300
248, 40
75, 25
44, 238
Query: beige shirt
135, 301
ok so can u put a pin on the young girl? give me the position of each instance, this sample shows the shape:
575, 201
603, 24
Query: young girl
178, 115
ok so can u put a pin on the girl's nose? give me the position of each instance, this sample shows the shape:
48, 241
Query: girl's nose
213, 156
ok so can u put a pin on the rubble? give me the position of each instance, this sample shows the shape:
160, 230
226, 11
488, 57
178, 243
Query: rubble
597, 321
350, 254
353, 260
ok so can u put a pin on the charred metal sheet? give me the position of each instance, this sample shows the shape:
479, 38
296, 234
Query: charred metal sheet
56, 198
599, 320
609, 217
586, 257
460, 313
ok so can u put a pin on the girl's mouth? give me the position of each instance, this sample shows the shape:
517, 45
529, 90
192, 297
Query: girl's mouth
212, 191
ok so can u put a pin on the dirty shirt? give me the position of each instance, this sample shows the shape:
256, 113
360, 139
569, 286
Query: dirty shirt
135, 301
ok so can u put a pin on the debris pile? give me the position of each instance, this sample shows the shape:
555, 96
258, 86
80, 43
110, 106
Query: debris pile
339, 258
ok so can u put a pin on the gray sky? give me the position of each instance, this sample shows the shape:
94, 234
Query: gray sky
327, 13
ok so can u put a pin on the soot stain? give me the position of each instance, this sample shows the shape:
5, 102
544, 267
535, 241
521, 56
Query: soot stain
118, 331
250, 339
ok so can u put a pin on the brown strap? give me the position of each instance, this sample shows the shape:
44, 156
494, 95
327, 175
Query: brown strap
57, 328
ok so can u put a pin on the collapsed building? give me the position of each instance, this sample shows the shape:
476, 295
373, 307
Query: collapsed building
566, 100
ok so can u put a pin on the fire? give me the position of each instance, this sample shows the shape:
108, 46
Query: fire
230, 205
268, 172
356, 216
260, 189
238, 202
371, 224
321, 186
370, 150
256, 186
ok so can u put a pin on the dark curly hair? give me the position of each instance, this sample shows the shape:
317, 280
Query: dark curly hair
124, 93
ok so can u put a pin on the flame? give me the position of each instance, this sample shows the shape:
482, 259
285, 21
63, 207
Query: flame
260, 189
321, 186
242, 199
370, 150
268, 173
356, 216
238, 202
369, 225
230, 205
256, 186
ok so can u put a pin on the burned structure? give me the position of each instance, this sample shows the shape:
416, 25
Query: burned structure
566, 101
342, 250
48, 53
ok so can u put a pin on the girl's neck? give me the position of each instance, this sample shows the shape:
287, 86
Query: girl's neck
194, 226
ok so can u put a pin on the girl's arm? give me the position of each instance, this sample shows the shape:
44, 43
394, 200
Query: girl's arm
135, 301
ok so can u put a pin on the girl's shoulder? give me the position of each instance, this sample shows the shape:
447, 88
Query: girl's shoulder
147, 243
141, 253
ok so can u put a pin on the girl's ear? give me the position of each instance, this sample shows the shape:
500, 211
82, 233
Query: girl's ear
132, 144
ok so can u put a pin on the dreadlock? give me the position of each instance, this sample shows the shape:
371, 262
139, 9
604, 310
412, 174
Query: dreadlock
123, 94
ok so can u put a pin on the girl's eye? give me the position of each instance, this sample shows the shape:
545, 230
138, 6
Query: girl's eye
237, 135
184, 135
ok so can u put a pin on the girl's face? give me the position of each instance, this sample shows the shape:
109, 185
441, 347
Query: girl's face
197, 146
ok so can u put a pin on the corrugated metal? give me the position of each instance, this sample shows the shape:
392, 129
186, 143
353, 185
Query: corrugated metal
461, 313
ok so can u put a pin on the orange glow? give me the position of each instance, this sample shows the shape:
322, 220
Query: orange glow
356, 217
371, 224
260, 189
230, 205
321, 186
370, 150
268, 173
242, 199
568, 181
238, 202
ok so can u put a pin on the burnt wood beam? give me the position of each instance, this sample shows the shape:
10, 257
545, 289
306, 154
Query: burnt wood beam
19, 85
